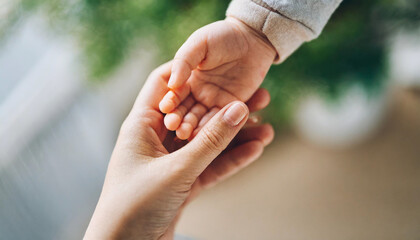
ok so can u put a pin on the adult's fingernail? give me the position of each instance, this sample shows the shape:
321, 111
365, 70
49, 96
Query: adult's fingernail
235, 114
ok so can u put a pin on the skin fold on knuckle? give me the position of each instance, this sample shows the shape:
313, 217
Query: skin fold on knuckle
215, 138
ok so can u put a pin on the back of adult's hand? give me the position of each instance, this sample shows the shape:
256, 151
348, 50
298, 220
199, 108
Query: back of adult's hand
152, 175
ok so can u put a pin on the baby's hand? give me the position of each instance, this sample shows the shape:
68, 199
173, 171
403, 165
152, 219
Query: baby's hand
219, 63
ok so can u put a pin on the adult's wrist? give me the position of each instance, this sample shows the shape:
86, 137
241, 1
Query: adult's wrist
114, 219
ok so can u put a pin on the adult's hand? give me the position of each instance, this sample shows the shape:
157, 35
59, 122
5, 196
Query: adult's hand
151, 175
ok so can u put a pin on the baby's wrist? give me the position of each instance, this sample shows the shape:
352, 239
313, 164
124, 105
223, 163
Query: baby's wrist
253, 32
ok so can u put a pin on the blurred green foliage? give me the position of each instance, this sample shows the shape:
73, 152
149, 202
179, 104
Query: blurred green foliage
352, 48
108, 30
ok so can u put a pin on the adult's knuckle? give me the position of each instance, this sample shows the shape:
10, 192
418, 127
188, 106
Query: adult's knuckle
127, 126
155, 73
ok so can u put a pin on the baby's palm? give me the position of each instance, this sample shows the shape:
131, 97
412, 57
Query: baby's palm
219, 63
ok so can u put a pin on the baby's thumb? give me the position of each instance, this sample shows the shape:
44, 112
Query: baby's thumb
187, 58
214, 137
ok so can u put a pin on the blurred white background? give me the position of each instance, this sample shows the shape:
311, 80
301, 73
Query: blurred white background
56, 132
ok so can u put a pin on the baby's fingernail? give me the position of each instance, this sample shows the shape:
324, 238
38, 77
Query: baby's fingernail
168, 102
172, 121
166, 106
235, 114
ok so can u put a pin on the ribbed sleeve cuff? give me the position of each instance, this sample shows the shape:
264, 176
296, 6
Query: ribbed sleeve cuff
285, 35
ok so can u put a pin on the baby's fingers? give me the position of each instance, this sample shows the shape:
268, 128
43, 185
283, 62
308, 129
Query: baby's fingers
204, 120
191, 121
259, 100
173, 120
173, 98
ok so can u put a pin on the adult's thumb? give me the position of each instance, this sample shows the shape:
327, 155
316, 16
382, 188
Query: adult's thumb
214, 137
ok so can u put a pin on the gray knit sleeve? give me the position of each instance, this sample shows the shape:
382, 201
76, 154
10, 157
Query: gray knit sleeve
285, 23
312, 14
